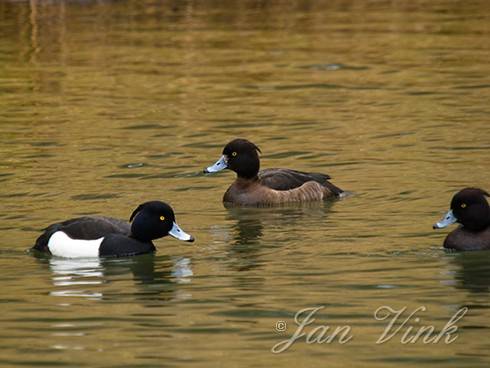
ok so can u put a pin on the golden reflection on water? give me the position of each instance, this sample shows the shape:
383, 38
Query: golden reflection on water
108, 104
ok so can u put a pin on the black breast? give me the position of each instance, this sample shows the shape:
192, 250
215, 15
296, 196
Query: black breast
117, 245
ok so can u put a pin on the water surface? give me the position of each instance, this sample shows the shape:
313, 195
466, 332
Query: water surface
106, 104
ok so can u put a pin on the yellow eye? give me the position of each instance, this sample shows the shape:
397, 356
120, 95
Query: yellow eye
234, 154
162, 218
463, 205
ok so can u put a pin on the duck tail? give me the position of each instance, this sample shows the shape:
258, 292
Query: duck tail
42, 242
334, 189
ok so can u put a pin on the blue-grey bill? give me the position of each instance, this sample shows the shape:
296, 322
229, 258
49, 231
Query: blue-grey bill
180, 234
218, 166
447, 220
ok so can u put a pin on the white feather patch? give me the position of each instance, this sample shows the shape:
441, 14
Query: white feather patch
61, 245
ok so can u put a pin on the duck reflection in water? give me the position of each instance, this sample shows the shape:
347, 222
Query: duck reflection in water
252, 225
155, 277
473, 271
76, 277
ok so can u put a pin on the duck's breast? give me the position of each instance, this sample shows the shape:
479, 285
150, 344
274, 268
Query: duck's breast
461, 239
117, 245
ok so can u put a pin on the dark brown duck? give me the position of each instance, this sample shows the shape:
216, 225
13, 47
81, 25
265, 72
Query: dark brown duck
470, 209
255, 187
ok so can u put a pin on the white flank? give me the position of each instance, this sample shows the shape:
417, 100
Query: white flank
62, 245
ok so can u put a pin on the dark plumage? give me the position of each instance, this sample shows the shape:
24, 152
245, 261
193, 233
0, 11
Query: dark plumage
107, 236
270, 186
87, 227
469, 208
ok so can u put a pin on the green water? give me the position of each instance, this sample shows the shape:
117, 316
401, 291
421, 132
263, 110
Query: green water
106, 104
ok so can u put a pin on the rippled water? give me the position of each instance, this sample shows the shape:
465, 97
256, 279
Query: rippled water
106, 104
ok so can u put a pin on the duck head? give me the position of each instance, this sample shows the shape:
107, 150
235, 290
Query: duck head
470, 208
154, 220
240, 156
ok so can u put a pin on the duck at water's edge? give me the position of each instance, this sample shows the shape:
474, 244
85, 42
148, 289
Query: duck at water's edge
99, 236
270, 186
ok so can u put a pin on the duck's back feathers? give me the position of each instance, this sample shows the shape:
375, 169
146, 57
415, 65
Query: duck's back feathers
287, 179
84, 228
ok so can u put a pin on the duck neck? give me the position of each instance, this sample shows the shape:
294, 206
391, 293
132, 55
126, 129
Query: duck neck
246, 168
478, 221
140, 238
141, 230
243, 182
